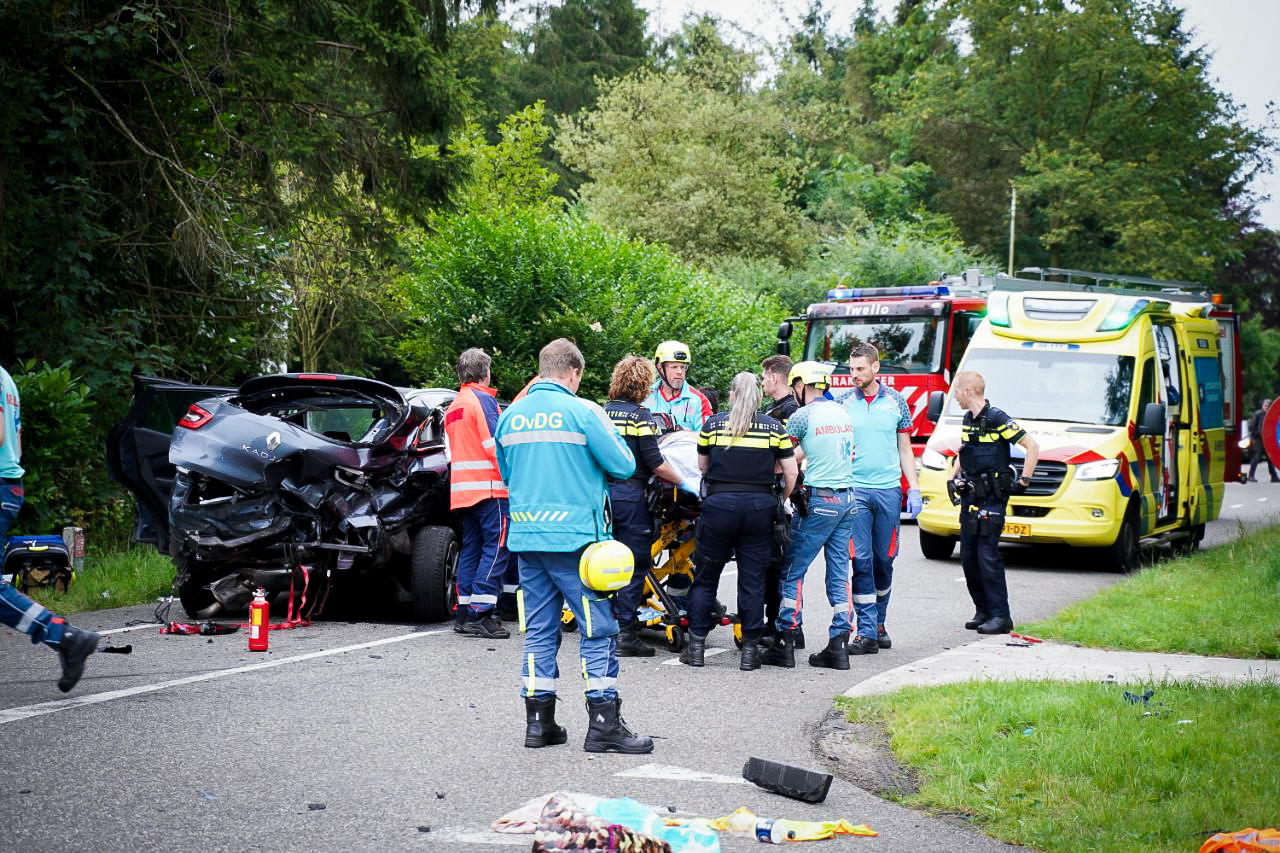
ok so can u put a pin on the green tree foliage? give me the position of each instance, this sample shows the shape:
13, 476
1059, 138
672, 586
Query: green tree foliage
64, 479
512, 281
895, 254
154, 157
574, 45
1260, 363
1102, 114
675, 161
509, 173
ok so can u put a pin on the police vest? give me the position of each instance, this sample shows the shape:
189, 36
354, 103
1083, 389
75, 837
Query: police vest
986, 439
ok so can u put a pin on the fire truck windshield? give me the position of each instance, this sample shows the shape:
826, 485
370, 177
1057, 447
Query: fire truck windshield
1054, 385
906, 344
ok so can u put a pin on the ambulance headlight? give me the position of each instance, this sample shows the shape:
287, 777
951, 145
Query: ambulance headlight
1103, 469
933, 459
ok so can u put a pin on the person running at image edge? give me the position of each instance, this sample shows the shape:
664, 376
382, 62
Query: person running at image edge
987, 434
554, 451
478, 495
823, 433
882, 434
73, 645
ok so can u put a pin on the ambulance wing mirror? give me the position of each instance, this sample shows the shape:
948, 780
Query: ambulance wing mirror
784, 338
1153, 420
937, 399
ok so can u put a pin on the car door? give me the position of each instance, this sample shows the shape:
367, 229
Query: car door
138, 450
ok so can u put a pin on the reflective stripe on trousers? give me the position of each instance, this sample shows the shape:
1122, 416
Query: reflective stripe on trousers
548, 581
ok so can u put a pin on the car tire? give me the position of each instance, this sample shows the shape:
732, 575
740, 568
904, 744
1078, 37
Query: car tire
1123, 555
432, 568
935, 547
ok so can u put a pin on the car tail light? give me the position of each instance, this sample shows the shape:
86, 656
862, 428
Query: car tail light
195, 417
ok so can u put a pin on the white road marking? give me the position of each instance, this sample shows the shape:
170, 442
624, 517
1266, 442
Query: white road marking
494, 838
679, 774
1262, 500
707, 654
1236, 506
12, 715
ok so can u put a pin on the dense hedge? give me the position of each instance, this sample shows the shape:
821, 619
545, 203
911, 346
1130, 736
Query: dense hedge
512, 281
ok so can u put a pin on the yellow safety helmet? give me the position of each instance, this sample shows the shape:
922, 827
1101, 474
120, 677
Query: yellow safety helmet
672, 351
606, 566
813, 373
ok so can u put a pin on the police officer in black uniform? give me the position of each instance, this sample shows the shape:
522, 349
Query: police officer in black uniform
981, 484
781, 405
632, 522
737, 452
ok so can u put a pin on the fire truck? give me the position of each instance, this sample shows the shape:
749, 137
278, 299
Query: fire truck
921, 332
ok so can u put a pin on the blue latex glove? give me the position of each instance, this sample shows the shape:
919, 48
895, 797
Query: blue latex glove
690, 485
914, 503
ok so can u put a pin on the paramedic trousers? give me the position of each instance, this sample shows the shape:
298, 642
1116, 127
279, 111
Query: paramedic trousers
874, 545
980, 556
738, 523
482, 558
22, 614
633, 527
548, 581
826, 528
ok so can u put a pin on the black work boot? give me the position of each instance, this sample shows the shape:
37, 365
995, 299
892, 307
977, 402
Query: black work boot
460, 619
540, 723
835, 655
486, 626
629, 643
978, 618
863, 646
750, 657
73, 651
608, 731
882, 638
694, 651
782, 652
798, 636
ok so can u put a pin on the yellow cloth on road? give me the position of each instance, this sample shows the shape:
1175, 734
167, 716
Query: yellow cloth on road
744, 820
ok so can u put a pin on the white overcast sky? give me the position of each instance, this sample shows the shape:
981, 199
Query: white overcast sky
1241, 34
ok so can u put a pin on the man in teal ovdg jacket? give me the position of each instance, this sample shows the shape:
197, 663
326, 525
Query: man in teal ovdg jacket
554, 450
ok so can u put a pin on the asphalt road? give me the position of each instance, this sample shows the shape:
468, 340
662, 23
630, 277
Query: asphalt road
370, 735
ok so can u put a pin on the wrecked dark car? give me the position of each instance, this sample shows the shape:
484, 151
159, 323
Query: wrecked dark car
293, 482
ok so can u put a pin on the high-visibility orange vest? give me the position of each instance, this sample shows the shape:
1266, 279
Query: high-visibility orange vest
473, 466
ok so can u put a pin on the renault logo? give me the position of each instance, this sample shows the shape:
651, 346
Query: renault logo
273, 441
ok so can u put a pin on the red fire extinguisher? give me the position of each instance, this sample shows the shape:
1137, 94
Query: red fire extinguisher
259, 621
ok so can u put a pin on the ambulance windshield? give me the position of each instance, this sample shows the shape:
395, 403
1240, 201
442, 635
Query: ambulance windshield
1054, 384
906, 344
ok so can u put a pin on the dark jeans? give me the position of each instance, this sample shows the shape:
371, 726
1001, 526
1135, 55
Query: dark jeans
11, 497
738, 523
633, 527
980, 556
1259, 456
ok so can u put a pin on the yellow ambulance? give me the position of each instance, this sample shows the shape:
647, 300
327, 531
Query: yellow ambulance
1123, 384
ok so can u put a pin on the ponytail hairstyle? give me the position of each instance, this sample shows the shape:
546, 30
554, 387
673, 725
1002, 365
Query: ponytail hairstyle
744, 400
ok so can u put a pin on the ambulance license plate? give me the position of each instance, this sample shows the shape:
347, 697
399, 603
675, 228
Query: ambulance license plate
1011, 529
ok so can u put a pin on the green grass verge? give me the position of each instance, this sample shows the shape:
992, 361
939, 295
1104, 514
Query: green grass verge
1223, 601
134, 576
1072, 766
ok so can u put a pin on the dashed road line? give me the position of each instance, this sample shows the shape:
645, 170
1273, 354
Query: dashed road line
675, 773
13, 715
